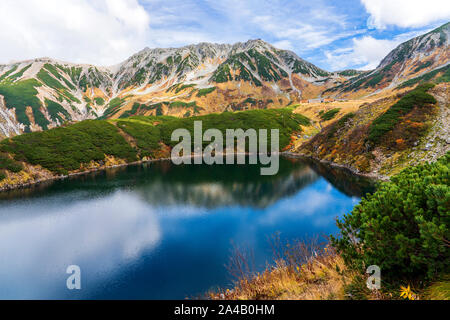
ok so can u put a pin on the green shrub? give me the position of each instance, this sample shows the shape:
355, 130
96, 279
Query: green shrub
7, 163
282, 119
146, 135
113, 107
428, 77
445, 76
99, 101
55, 109
386, 122
19, 74
205, 92
403, 227
48, 80
2, 176
183, 87
326, 116
65, 149
19, 96
7, 73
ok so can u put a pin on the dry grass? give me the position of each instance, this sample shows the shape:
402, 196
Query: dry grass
439, 290
323, 277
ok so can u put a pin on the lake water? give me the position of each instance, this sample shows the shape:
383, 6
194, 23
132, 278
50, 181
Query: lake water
159, 231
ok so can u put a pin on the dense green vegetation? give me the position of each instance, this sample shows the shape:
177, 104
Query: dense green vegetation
19, 74
146, 135
99, 101
7, 73
330, 114
205, 92
55, 109
349, 73
423, 66
6, 163
65, 149
21, 94
48, 80
113, 107
222, 74
428, 77
403, 227
282, 119
386, 122
54, 70
183, 87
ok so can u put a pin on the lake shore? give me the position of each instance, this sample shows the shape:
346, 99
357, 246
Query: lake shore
372, 175
51, 177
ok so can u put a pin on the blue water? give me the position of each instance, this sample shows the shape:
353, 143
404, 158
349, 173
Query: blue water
158, 231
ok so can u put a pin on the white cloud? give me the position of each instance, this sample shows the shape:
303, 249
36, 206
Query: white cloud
365, 53
102, 32
283, 44
406, 13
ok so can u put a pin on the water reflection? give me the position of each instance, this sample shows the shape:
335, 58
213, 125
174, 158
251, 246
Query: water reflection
162, 183
157, 231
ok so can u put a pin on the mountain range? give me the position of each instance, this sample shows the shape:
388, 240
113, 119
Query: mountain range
44, 93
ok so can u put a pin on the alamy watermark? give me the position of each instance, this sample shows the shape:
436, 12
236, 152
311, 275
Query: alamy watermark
374, 279
74, 280
236, 148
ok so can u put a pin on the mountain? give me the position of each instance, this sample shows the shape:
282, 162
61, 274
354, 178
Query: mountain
426, 56
44, 93
199, 79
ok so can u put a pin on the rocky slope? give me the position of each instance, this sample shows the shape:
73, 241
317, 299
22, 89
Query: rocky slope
383, 137
44, 93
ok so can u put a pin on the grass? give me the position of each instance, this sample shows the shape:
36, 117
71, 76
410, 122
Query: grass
439, 290
300, 271
386, 122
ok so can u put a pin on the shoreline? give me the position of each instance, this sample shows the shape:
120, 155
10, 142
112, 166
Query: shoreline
104, 168
375, 176
75, 174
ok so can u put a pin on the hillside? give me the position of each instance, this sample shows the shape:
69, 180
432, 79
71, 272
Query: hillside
95, 144
387, 135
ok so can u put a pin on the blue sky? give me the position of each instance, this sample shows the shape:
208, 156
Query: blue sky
331, 34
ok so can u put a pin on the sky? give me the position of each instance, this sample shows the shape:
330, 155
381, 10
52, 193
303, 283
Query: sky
334, 35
